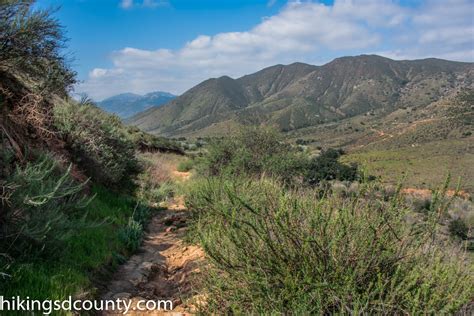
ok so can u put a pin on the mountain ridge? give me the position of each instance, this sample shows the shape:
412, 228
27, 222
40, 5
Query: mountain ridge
299, 95
128, 104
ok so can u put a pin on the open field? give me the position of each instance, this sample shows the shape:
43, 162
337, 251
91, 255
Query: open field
423, 166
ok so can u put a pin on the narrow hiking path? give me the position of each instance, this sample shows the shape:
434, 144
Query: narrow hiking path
164, 266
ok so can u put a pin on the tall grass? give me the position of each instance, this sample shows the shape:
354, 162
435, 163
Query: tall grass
42, 206
91, 253
278, 251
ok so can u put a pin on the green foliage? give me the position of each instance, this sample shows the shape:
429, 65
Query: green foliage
98, 142
326, 166
458, 228
253, 151
131, 235
147, 142
256, 152
141, 214
41, 207
31, 41
274, 251
185, 165
91, 253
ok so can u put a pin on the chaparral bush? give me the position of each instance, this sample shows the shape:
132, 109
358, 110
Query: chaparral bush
278, 251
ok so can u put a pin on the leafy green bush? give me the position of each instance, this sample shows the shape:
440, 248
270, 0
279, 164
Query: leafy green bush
253, 151
132, 234
274, 251
41, 206
326, 166
98, 142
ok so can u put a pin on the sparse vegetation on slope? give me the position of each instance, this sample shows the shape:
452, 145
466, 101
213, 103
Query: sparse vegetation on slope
97, 141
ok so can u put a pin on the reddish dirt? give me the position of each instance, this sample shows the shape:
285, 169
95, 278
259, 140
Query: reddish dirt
164, 267
181, 176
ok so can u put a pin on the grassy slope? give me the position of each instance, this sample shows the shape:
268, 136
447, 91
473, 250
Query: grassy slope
423, 166
85, 255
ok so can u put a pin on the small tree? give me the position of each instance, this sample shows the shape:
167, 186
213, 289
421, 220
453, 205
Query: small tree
327, 167
30, 45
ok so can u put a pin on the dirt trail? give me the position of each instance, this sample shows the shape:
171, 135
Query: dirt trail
164, 266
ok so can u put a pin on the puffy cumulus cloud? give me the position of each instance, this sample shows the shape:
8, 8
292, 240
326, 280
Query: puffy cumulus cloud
442, 29
301, 31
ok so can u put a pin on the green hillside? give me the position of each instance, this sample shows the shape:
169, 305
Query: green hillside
297, 96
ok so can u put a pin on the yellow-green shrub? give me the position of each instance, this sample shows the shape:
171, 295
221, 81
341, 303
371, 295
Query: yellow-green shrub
98, 142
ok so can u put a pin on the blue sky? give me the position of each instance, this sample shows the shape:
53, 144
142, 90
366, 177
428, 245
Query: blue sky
171, 45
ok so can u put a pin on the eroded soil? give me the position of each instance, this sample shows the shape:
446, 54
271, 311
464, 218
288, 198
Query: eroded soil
164, 267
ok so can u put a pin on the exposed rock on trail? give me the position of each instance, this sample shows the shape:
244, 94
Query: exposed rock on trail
164, 266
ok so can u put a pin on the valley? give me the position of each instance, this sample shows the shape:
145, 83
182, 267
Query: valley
398, 119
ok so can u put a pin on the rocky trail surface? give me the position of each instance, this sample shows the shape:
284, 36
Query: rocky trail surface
163, 268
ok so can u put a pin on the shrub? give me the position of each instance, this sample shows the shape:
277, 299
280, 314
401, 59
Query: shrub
132, 234
253, 152
31, 44
150, 143
290, 252
326, 166
40, 208
98, 142
457, 228
141, 214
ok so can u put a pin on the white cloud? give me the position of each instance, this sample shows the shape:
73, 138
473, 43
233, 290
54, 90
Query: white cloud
271, 3
154, 3
127, 4
301, 31
442, 29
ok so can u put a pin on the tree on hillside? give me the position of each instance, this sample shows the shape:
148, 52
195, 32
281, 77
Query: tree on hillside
31, 41
326, 166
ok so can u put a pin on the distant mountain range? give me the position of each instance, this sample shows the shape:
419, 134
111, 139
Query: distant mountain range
301, 96
128, 104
